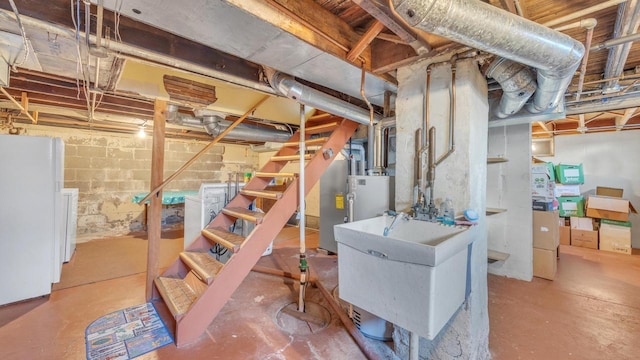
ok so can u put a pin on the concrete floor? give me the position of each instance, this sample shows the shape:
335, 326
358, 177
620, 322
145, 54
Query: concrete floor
591, 311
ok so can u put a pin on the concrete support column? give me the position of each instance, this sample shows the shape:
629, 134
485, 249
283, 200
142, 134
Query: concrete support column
461, 177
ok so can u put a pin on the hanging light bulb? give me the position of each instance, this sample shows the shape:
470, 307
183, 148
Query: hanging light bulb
141, 133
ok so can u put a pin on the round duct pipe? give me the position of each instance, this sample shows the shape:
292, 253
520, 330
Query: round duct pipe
289, 87
215, 124
477, 24
517, 85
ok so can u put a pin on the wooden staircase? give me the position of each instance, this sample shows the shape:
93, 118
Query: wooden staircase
196, 286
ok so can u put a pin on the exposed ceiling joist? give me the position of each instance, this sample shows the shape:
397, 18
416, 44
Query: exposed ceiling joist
308, 21
621, 121
545, 128
20, 105
365, 40
396, 26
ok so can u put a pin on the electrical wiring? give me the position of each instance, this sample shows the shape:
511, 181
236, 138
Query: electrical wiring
80, 65
117, 13
24, 36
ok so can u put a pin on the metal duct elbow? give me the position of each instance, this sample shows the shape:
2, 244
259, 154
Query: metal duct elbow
474, 23
517, 85
289, 87
211, 124
215, 124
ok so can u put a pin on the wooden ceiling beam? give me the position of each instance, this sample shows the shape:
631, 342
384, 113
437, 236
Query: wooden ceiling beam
66, 93
396, 26
138, 34
391, 38
365, 40
388, 57
310, 22
621, 121
18, 104
80, 104
507, 5
545, 128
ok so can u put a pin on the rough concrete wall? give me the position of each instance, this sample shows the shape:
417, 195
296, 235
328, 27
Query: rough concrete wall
462, 177
109, 169
508, 187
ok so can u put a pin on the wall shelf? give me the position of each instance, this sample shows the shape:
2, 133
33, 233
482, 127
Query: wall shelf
494, 211
493, 256
495, 160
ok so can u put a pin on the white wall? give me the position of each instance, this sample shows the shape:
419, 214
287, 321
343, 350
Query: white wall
508, 187
608, 159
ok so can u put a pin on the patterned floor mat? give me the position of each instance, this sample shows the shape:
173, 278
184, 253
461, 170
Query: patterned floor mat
126, 334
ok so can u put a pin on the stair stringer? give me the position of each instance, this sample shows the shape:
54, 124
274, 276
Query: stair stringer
199, 316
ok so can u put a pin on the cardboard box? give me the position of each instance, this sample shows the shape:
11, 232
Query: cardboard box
571, 206
615, 238
544, 167
608, 191
569, 174
545, 263
581, 223
565, 235
546, 230
542, 205
605, 207
542, 187
618, 223
584, 238
567, 190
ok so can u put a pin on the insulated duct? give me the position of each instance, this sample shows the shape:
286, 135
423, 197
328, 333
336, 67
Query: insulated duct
517, 85
474, 23
215, 124
289, 87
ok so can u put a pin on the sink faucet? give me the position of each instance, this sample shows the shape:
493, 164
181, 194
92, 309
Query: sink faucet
398, 216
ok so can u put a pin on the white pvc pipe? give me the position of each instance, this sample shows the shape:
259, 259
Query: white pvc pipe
301, 180
301, 224
414, 346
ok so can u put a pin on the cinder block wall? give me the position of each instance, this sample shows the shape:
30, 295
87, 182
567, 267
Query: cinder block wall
109, 169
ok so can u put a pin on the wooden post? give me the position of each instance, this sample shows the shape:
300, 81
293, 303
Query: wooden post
154, 231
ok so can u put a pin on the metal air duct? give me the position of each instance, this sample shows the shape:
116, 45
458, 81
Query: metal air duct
517, 85
474, 23
289, 87
215, 124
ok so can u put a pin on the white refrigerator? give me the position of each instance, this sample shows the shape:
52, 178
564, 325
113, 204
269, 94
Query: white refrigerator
31, 246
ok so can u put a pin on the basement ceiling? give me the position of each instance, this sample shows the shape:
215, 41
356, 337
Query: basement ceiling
323, 43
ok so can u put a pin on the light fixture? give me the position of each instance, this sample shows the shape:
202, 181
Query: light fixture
141, 132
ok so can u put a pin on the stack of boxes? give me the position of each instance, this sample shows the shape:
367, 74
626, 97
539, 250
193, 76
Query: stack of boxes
599, 222
580, 231
612, 212
546, 230
546, 238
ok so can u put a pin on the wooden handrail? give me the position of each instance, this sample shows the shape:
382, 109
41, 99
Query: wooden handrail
196, 156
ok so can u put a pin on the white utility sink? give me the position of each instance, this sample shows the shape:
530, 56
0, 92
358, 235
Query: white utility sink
415, 277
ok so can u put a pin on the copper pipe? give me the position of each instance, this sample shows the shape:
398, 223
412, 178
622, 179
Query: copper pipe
585, 59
